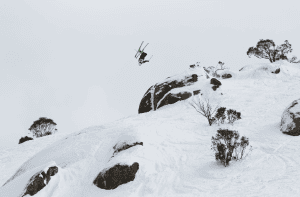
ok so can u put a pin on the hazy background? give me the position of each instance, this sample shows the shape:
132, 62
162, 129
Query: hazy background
73, 61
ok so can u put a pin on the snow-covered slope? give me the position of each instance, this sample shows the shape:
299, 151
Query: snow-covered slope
176, 157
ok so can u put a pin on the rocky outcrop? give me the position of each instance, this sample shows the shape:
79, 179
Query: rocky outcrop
24, 139
116, 175
156, 92
38, 181
177, 88
290, 119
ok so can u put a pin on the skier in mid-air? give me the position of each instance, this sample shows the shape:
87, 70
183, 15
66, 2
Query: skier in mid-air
142, 55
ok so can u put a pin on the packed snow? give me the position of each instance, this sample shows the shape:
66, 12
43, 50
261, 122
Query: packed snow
176, 157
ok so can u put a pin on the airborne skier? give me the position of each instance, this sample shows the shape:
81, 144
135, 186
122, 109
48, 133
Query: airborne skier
142, 55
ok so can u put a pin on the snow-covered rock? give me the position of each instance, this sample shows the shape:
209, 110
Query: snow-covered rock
177, 88
40, 180
290, 119
117, 175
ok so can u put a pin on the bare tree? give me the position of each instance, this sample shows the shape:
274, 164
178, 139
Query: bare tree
43, 127
205, 109
213, 70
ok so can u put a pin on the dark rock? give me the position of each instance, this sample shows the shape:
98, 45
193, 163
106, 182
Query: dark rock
215, 87
125, 146
150, 102
116, 175
192, 66
215, 81
196, 92
226, 76
173, 98
24, 139
146, 102
276, 71
290, 119
37, 181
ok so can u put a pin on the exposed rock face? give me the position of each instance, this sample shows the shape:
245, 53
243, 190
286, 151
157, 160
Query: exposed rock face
156, 92
226, 76
39, 181
290, 119
179, 87
24, 139
115, 176
173, 98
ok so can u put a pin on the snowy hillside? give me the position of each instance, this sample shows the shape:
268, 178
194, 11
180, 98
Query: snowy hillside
175, 158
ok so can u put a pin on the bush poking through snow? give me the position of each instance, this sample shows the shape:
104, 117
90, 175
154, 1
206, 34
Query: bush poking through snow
227, 147
220, 115
205, 109
233, 115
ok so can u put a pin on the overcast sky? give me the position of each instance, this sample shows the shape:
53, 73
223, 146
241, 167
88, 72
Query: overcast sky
73, 61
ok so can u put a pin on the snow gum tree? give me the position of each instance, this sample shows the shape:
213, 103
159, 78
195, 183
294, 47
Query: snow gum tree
268, 50
42, 127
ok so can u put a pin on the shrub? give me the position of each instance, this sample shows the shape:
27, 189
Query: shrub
43, 127
220, 115
226, 143
205, 109
233, 115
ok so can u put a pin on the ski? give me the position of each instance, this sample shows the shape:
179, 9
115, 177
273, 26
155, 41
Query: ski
138, 50
150, 58
145, 47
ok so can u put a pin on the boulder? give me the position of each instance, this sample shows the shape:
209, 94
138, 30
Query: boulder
177, 88
116, 175
156, 92
24, 139
290, 119
38, 181
216, 83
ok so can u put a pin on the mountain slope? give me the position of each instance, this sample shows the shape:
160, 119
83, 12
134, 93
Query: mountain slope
175, 158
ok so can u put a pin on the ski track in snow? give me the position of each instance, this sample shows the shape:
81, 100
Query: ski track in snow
176, 158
